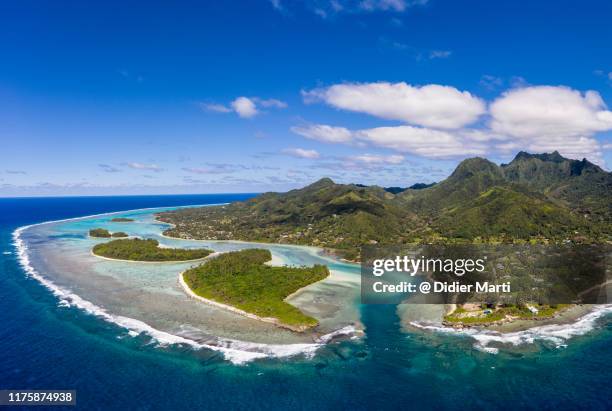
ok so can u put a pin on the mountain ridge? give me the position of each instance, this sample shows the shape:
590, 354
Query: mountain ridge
536, 197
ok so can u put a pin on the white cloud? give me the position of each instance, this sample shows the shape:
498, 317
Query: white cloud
272, 102
430, 106
143, 166
421, 141
244, 107
533, 112
573, 147
217, 108
378, 159
547, 118
531, 118
301, 153
325, 133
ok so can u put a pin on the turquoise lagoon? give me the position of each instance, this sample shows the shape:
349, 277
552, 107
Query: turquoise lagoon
125, 336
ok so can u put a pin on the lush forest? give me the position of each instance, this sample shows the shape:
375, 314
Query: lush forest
243, 280
541, 198
104, 233
146, 250
99, 233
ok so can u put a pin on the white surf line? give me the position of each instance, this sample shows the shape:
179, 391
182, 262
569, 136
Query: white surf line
555, 333
235, 351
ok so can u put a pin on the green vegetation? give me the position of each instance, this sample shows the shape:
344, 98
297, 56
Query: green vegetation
99, 233
242, 280
541, 198
483, 315
104, 233
146, 250
122, 220
325, 214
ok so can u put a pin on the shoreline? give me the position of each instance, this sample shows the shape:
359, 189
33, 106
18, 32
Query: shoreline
320, 252
61, 294
511, 324
325, 253
270, 320
232, 350
567, 316
153, 262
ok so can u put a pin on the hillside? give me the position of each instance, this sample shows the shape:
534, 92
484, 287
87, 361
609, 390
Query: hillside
578, 184
337, 216
542, 197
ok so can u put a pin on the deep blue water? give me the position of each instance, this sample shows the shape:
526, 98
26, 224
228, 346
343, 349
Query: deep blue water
44, 347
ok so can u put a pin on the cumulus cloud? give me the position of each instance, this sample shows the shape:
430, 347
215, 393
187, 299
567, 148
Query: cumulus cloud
431, 105
245, 107
545, 118
325, 133
441, 119
143, 166
550, 111
421, 141
301, 153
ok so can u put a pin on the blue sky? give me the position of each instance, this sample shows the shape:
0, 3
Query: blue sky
135, 98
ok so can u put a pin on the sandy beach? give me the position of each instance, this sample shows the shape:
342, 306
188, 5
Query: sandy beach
154, 262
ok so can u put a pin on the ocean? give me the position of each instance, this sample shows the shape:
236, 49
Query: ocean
45, 344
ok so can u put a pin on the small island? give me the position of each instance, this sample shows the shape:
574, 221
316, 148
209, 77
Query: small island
104, 233
122, 220
241, 282
471, 314
148, 250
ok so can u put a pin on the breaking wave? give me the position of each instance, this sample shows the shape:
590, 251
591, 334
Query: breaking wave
235, 351
557, 334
